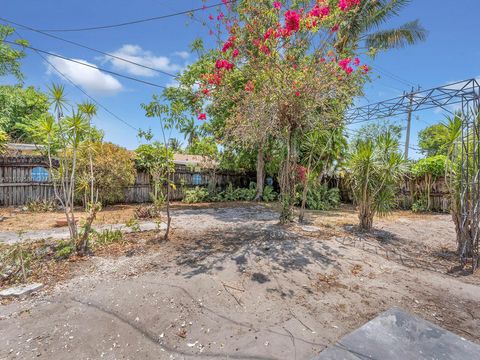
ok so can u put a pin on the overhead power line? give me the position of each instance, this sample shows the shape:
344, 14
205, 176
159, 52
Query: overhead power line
85, 93
87, 65
87, 47
133, 22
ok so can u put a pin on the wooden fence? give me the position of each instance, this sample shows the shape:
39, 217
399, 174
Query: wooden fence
410, 190
25, 178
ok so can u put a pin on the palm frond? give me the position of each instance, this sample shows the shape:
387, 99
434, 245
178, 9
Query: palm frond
379, 12
407, 34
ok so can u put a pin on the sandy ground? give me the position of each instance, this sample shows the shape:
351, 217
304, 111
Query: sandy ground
232, 284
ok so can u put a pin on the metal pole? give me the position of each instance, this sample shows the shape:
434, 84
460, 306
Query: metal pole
409, 125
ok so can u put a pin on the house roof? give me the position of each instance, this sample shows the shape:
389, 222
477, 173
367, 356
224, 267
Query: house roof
194, 160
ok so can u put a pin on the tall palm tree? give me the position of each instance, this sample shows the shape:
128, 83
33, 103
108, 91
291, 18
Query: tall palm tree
365, 26
375, 169
189, 130
58, 100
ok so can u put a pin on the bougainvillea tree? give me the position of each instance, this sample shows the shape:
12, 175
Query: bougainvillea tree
278, 65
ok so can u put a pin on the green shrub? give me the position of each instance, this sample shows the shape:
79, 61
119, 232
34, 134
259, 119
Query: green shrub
420, 205
107, 237
269, 194
63, 250
196, 195
42, 205
321, 197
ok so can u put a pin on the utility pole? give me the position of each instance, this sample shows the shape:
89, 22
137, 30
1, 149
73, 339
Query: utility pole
409, 125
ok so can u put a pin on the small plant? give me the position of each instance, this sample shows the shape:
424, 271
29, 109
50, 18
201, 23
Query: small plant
107, 237
133, 225
37, 206
269, 194
196, 195
321, 197
420, 205
147, 212
63, 250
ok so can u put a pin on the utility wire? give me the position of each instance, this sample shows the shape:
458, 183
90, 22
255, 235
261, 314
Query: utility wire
85, 93
87, 47
87, 65
141, 20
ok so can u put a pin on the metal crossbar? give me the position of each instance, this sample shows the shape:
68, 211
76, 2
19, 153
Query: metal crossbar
466, 95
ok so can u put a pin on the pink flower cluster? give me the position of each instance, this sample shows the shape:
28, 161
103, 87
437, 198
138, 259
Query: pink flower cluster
345, 65
346, 5
319, 11
292, 21
277, 5
224, 64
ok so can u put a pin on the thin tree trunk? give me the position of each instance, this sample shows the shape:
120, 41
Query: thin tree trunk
260, 173
169, 219
301, 216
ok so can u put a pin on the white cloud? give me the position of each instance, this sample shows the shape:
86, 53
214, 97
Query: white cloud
90, 79
182, 54
136, 54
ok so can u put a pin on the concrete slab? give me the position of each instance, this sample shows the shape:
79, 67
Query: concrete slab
21, 290
397, 335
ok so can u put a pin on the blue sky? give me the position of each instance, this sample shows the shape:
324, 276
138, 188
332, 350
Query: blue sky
451, 53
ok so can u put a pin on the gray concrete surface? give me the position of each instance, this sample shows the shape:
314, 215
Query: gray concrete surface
397, 335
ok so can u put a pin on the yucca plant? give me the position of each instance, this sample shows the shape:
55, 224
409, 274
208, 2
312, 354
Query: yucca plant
376, 168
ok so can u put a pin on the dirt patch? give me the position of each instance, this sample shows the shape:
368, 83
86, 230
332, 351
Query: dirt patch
234, 284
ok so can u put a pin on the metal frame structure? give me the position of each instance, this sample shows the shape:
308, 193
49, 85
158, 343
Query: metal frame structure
466, 96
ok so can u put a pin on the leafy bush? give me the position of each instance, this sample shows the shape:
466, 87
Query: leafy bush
321, 197
63, 250
420, 205
113, 169
269, 194
42, 205
196, 195
107, 237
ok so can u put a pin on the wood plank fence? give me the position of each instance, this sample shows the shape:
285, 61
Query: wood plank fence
21, 181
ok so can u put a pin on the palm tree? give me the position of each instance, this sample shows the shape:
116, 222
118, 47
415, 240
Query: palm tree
89, 110
375, 169
58, 100
175, 145
365, 24
189, 130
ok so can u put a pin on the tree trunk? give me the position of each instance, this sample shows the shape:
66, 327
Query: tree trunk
169, 219
287, 183
366, 217
260, 173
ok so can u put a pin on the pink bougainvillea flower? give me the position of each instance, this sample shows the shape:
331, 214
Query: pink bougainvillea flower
335, 28
235, 53
344, 63
202, 116
365, 69
220, 16
322, 60
292, 21
356, 62
346, 5
227, 46
297, 93
206, 92
277, 5
210, 17
349, 70
224, 64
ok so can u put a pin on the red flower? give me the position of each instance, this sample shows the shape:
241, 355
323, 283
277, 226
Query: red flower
292, 21
335, 28
220, 16
206, 92
344, 63
210, 17
365, 69
346, 5
227, 46
297, 93
277, 5
202, 116
235, 53
224, 64
356, 62
349, 70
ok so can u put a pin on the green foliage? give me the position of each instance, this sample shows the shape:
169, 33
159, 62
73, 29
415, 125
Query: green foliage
42, 205
196, 195
9, 56
20, 110
113, 170
321, 197
269, 194
432, 166
372, 132
420, 205
107, 237
4, 138
205, 146
375, 171
438, 139
133, 224
64, 250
